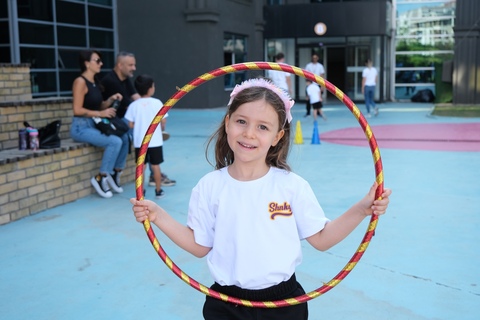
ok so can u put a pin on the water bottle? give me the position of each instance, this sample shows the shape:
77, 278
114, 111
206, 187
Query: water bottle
22, 139
116, 104
34, 143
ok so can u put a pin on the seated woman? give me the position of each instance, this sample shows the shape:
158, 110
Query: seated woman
88, 104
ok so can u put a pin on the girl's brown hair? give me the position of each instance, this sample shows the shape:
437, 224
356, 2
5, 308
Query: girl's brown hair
277, 155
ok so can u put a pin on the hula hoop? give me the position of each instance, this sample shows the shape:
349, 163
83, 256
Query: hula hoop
301, 73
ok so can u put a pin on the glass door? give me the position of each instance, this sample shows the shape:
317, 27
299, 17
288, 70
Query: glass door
356, 56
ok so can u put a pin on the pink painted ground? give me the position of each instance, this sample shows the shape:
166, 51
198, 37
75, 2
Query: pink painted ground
440, 137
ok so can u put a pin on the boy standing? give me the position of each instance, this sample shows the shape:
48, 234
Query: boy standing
317, 68
315, 97
140, 114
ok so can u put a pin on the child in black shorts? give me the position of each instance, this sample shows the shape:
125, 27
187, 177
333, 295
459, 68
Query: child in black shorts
315, 98
140, 114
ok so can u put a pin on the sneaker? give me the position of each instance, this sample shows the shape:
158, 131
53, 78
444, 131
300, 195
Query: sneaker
159, 194
369, 115
101, 186
114, 181
151, 182
166, 182
376, 112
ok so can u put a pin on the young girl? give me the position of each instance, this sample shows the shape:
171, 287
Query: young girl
250, 214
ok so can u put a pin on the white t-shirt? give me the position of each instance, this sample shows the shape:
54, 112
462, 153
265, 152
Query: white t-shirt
253, 227
313, 92
371, 75
315, 68
142, 112
279, 78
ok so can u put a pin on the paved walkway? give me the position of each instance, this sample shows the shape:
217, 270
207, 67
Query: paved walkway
91, 260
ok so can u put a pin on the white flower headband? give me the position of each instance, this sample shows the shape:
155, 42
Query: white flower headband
259, 82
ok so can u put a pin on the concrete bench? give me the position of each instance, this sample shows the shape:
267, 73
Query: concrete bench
15, 155
32, 181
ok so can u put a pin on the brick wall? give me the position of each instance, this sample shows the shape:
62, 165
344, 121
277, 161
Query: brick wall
15, 82
45, 181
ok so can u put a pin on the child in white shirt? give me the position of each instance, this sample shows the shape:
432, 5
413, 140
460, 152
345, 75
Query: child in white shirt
140, 114
314, 95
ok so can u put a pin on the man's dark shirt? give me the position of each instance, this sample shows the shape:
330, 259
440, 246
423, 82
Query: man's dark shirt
111, 84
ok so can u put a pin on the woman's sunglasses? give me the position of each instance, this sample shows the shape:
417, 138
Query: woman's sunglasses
98, 60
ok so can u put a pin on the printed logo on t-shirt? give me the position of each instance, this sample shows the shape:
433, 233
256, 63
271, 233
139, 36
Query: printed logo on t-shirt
277, 209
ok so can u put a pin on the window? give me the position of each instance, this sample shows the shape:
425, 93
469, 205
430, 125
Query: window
35, 10
424, 40
104, 2
101, 39
35, 33
100, 17
72, 36
68, 59
43, 82
5, 54
234, 51
51, 34
71, 13
4, 32
39, 58
3, 9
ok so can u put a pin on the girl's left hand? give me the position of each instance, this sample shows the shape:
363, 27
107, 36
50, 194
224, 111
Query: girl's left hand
372, 206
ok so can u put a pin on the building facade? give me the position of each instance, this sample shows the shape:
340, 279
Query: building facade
351, 32
176, 41
465, 73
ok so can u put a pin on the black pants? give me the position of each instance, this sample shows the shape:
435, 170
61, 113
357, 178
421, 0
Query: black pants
215, 309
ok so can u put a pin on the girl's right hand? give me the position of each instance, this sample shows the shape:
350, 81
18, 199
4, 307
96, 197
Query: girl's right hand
144, 209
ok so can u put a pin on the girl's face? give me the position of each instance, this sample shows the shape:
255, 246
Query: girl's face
251, 130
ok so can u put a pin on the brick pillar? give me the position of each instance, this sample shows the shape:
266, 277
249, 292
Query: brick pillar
15, 82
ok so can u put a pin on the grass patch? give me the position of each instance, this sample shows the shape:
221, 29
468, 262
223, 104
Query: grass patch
463, 111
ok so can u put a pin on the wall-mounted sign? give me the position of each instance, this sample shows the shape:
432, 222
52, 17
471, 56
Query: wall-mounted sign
320, 28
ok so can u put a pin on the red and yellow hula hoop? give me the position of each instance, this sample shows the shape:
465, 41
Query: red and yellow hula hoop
301, 73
